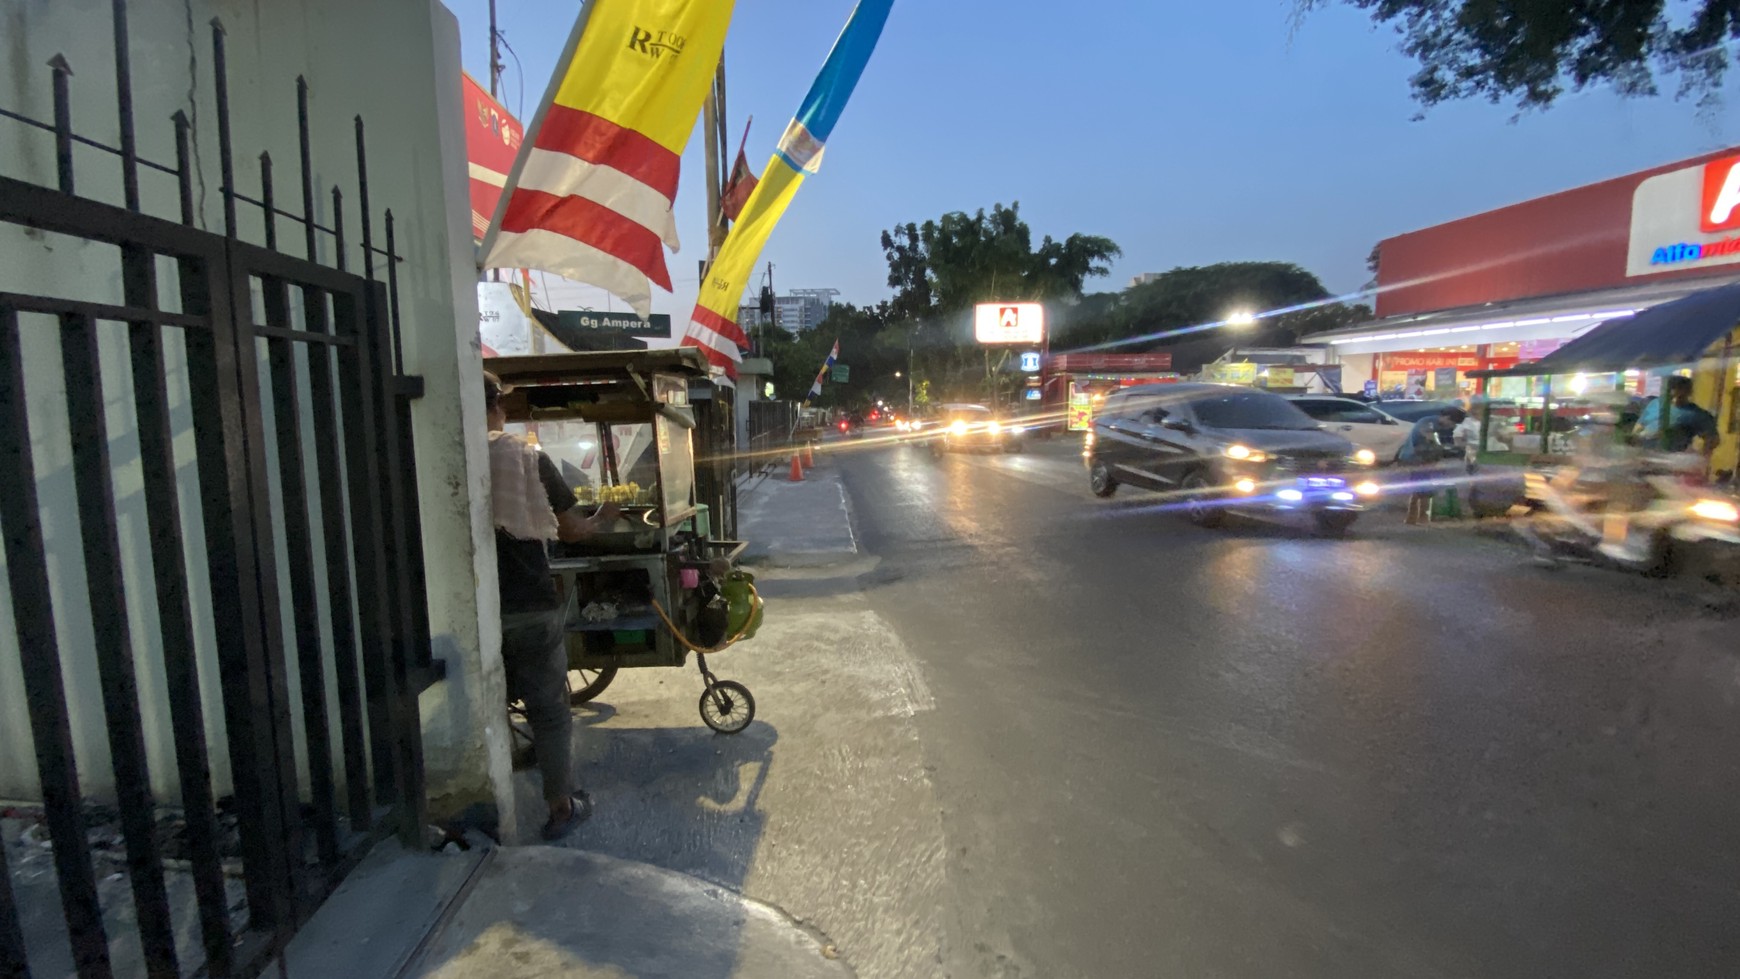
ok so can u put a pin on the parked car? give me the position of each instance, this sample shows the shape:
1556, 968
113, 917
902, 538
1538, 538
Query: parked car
1227, 449
1366, 426
1409, 412
967, 426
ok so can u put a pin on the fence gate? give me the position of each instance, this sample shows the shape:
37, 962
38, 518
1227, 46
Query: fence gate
281, 378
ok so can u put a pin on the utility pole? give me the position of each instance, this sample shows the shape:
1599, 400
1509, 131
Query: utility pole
495, 65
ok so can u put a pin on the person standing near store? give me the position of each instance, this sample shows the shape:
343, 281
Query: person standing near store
1423, 453
532, 506
1672, 422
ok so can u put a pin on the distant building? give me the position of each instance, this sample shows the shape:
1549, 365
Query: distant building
802, 309
1143, 278
794, 312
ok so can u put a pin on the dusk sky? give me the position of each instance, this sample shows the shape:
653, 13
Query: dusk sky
1189, 134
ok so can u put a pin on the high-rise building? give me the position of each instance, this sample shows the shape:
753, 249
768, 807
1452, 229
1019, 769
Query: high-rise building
794, 312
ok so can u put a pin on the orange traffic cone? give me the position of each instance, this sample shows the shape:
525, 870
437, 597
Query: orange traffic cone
809, 455
797, 469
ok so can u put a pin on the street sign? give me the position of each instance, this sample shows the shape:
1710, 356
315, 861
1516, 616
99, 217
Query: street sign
620, 324
1370, 389
1030, 362
1280, 377
842, 373
1233, 373
1033, 394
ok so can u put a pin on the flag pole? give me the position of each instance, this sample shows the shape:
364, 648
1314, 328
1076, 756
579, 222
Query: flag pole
537, 124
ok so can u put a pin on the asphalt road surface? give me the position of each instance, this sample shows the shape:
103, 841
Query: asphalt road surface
1164, 751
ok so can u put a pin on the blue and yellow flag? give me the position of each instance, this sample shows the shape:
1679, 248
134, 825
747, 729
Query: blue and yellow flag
713, 327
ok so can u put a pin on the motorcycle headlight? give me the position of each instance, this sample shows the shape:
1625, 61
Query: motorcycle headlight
958, 427
993, 427
1719, 510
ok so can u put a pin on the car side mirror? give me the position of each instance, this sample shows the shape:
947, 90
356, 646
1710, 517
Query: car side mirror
1388, 421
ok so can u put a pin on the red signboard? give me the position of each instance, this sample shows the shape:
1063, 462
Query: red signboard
1721, 208
1575, 241
1431, 361
1441, 361
492, 140
1109, 363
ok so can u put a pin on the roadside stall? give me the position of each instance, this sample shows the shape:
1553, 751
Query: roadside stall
618, 425
1697, 336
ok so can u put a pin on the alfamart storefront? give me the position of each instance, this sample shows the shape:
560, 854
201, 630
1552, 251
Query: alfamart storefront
1512, 285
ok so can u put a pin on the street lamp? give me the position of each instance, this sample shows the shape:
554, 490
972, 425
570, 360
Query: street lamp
1241, 317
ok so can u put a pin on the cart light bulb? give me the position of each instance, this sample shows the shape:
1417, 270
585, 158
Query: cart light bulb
1246, 486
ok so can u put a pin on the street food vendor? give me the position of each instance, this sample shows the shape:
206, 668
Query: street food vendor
532, 506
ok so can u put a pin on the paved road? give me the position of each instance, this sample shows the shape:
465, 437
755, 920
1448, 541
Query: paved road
1160, 751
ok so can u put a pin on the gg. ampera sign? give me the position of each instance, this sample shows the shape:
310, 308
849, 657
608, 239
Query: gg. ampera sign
1686, 218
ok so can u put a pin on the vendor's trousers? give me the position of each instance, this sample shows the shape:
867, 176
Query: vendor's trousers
535, 655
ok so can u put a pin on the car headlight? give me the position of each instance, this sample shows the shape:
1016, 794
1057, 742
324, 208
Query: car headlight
1365, 457
958, 428
1718, 510
1368, 488
1245, 453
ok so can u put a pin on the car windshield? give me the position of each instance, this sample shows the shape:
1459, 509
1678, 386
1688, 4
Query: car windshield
965, 411
1250, 409
1412, 411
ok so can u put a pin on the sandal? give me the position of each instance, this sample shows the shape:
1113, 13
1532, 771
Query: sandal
578, 813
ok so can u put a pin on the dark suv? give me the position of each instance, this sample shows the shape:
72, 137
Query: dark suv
1222, 448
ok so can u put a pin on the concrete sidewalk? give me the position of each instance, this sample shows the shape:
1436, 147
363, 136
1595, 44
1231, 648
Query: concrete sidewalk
541, 911
797, 525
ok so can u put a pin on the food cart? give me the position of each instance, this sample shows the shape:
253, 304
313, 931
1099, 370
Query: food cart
657, 585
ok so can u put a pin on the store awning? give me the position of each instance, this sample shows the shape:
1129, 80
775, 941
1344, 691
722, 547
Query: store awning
1670, 334
1543, 318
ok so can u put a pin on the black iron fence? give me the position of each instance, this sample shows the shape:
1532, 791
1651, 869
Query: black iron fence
288, 379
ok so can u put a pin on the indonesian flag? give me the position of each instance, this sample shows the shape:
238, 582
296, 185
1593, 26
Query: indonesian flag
591, 193
740, 184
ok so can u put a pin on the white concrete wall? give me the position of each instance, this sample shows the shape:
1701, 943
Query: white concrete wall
394, 62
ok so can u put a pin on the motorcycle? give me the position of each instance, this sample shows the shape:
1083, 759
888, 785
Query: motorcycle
1630, 512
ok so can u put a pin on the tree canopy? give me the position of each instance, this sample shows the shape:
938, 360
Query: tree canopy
1532, 51
1146, 316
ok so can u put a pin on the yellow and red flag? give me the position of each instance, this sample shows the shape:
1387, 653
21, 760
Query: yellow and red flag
591, 193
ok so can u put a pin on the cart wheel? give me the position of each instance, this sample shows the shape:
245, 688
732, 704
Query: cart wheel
592, 683
727, 707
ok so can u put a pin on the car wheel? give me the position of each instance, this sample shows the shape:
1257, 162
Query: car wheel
1335, 523
1199, 502
1100, 479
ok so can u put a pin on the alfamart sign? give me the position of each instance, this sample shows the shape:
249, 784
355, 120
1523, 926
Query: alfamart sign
1686, 218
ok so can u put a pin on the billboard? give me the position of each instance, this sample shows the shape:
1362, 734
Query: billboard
492, 140
1009, 323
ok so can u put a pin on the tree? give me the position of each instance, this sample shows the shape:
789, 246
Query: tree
1531, 50
1164, 312
940, 269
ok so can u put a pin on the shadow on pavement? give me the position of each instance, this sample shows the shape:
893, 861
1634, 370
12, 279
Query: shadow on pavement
679, 798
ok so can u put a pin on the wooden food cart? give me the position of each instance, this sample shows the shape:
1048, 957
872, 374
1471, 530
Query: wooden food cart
618, 425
